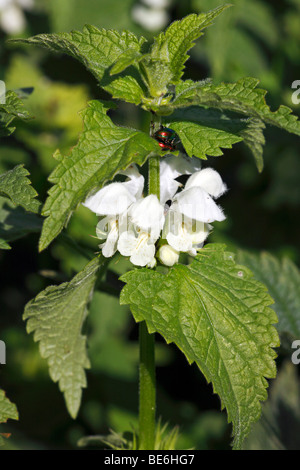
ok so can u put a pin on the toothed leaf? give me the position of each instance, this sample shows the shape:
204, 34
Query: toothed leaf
218, 315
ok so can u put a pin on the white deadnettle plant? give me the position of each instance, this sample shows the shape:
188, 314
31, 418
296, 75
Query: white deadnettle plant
132, 224
212, 309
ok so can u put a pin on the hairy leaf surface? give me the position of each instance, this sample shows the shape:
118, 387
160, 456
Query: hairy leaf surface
15, 185
242, 97
56, 317
205, 132
173, 44
12, 108
98, 50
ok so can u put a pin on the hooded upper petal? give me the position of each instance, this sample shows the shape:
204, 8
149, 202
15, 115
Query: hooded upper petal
209, 180
148, 215
197, 204
172, 167
110, 200
135, 184
115, 198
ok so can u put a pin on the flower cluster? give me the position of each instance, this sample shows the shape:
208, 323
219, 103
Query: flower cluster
132, 224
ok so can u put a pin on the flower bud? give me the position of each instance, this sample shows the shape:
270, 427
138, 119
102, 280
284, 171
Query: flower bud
167, 255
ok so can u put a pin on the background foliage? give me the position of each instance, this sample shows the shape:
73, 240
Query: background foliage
259, 39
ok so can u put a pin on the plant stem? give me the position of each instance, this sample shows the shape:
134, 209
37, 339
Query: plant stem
147, 397
147, 389
154, 181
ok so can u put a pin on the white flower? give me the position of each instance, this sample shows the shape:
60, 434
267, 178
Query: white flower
167, 255
113, 202
209, 180
187, 221
196, 200
150, 19
115, 198
12, 19
182, 233
172, 167
132, 224
146, 222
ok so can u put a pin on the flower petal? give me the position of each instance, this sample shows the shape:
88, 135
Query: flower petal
200, 232
143, 254
111, 200
197, 204
127, 243
110, 246
170, 168
148, 215
140, 249
209, 180
176, 232
135, 185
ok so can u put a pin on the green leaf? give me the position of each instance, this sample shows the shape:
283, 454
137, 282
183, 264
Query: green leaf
253, 137
98, 50
204, 132
56, 317
103, 150
173, 44
156, 74
16, 223
8, 410
126, 59
282, 278
12, 108
218, 315
15, 185
242, 97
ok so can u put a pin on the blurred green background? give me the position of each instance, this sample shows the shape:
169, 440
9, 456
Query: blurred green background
253, 38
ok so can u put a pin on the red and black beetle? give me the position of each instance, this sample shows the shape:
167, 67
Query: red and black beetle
166, 138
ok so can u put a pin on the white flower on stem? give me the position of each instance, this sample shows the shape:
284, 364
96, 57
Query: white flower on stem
115, 198
167, 255
196, 200
192, 210
113, 202
146, 218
